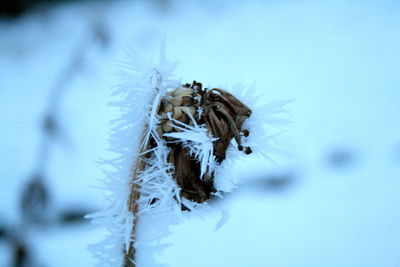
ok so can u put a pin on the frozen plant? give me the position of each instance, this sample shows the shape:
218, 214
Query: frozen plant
175, 145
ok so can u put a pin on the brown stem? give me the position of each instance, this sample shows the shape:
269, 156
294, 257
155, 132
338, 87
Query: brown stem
133, 206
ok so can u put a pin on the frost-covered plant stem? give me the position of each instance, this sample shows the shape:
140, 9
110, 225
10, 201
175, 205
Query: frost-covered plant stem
138, 168
134, 195
133, 206
176, 147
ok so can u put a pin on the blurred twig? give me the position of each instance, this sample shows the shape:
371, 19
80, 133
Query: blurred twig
35, 198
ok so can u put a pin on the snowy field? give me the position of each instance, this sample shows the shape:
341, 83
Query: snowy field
331, 199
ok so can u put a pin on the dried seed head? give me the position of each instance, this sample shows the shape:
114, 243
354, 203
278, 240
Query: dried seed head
164, 115
248, 150
167, 126
223, 116
245, 133
177, 112
191, 110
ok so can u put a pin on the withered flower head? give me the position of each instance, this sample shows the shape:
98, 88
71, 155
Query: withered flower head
220, 113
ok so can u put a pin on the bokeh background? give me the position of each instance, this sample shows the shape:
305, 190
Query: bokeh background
332, 198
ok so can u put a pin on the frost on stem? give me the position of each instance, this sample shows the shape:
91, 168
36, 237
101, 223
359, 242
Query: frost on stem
176, 146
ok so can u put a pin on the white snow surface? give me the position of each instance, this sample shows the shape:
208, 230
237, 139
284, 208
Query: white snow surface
339, 60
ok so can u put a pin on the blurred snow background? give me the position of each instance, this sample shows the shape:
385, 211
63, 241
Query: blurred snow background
332, 200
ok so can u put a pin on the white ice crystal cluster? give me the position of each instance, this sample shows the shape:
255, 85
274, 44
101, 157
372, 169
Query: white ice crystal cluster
139, 93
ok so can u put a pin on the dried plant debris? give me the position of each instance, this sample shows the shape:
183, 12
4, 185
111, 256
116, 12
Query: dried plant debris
198, 125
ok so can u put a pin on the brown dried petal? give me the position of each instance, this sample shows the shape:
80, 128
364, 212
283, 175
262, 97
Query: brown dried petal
177, 101
177, 112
